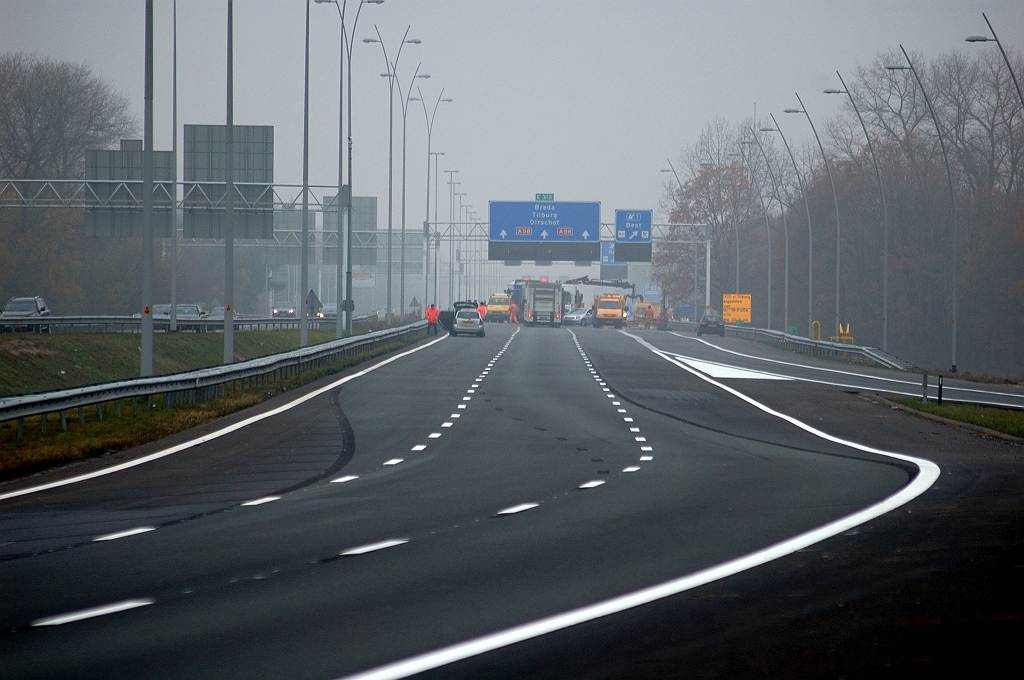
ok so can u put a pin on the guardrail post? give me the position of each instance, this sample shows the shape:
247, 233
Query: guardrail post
81, 415
44, 423
135, 406
117, 408
21, 429
940, 389
99, 411
924, 387
63, 420
149, 403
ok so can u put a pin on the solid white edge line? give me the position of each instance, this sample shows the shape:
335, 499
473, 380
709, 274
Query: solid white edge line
92, 612
218, 433
928, 472
373, 547
394, 461
124, 534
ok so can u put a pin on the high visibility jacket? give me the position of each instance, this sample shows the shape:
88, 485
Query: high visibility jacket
432, 314
483, 310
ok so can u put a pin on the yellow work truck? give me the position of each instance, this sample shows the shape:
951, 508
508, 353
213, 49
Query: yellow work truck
497, 307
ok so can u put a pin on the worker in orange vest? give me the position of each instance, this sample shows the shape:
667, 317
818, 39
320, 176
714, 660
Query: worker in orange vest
482, 308
648, 316
512, 309
432, 314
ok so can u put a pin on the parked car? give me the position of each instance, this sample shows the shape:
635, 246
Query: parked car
711, 322
24, 308
579, 317
468, 321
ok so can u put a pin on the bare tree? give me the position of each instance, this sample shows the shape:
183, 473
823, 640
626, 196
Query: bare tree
51, 112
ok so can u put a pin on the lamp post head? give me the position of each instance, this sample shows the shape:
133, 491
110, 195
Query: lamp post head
793, 111
769, 129
447, 99
746, 141
330, 2
372, 2
664, 170
897, 67
978, 38
423, 75
370, 40
413, 41
414, 99
385, 75
832, 90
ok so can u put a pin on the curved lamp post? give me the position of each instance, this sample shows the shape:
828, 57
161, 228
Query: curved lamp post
810, 240
995, 39
949, 177
767, 226
405, 111
344, 199
885, 216
392, 77
785, 229
426, 220
835, 201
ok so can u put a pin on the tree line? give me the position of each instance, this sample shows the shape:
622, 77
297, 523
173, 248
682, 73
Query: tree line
740, 180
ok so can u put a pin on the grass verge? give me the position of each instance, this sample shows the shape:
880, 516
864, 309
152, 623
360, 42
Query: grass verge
1007, 421
38, 451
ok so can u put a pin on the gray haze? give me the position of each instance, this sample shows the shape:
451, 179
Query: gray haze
580, 99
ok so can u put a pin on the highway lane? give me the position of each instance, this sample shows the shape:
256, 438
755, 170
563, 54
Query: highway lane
503, 422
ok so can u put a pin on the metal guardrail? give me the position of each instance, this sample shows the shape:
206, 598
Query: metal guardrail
133, 324
821, 348
193, 386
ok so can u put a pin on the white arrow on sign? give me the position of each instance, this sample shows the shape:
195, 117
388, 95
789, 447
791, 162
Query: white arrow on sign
544, 234
586, 235
502, 233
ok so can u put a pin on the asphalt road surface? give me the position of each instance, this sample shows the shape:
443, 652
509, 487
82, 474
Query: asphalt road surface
544, 503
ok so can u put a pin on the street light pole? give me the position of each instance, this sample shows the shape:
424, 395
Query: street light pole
810, 240
995, 39
146, 355
343, 325
437, 234
405, 110
949, 177
885, 214
303, 320
835, 201
392, 76
767, 227
785, 232
426, 231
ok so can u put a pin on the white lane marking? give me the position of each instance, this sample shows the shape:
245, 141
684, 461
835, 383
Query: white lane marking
467, 398
616, 403
591, 484
394, 461
716, 370
621, 410
455, 415
627, 419
217, 433
470, 391
92, 612
124, 534
434, 435
610, 396
261, 501
866, 376
518, 508
640, 439
644, 459
373, 547
632, 429
446, 424
461, 406
346, 478
646, 448
631, 468
418, 447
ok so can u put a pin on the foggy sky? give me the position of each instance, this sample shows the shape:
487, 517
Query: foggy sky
580, 99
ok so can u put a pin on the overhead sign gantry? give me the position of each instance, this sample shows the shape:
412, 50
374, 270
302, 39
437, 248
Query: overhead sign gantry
544, 230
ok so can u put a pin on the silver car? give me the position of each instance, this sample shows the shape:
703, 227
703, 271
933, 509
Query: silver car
468, 321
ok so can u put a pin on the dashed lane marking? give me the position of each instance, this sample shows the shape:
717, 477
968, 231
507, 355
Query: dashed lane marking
373, 547
261, 501
346, 478
92, 612
124, 534
518, 508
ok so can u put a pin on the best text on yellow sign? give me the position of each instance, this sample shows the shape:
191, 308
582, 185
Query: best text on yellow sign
736, 307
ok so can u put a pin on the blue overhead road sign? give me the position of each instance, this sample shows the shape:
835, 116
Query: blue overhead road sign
607, 252
545, 221
633, 226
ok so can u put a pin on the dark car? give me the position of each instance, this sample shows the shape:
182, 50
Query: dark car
711, 323
21, 309
283, 313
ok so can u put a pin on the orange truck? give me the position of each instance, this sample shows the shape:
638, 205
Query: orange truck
609, 309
